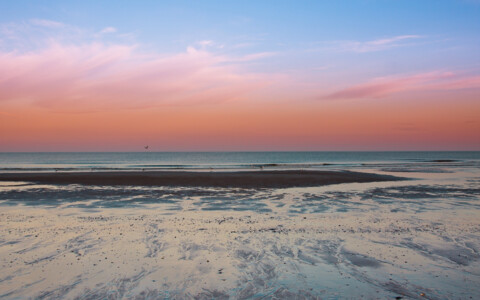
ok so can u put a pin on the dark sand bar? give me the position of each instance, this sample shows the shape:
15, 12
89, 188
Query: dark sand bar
244, 179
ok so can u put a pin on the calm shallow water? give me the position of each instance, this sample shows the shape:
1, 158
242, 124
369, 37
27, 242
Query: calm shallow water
418, 238
217, 160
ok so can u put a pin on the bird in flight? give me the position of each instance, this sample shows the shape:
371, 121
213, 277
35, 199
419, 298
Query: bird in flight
146, 147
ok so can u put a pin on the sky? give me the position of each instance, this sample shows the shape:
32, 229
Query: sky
366, 75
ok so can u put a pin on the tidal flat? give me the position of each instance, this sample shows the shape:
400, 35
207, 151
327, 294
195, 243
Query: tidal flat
417, 238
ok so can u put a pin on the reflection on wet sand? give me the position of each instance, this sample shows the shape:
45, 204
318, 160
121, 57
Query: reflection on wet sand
414, 239
202, 254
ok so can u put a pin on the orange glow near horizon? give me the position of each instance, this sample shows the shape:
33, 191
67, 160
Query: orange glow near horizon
312, 126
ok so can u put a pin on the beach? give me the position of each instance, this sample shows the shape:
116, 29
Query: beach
240, 150
373, 231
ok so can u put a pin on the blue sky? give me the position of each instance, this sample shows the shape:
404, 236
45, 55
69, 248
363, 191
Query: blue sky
302, 33
280, 24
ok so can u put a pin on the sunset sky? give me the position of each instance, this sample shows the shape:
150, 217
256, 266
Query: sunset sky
239, 75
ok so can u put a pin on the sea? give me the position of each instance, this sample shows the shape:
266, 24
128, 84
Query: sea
122, 161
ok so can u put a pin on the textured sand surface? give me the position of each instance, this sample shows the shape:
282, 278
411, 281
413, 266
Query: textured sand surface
57, 254
417, 239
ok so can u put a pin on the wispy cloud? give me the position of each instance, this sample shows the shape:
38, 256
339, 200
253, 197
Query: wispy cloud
385, 86
61, 67
406, 127
107, 30
37, 33
254, 56
34, 34
242, 45
47, 23
390, 41
205, 43
368, 46
98, 76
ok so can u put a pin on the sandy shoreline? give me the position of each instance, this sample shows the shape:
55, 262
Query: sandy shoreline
370, 238
66, 253
245, 179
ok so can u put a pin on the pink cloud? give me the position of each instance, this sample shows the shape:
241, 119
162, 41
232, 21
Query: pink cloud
255, 56
385, 86
369, 46
97, 76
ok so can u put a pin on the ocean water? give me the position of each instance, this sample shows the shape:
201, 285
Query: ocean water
417, 238
73, 161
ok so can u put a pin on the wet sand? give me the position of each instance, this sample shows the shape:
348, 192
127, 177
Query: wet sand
244, 179
410, 239
57, 254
